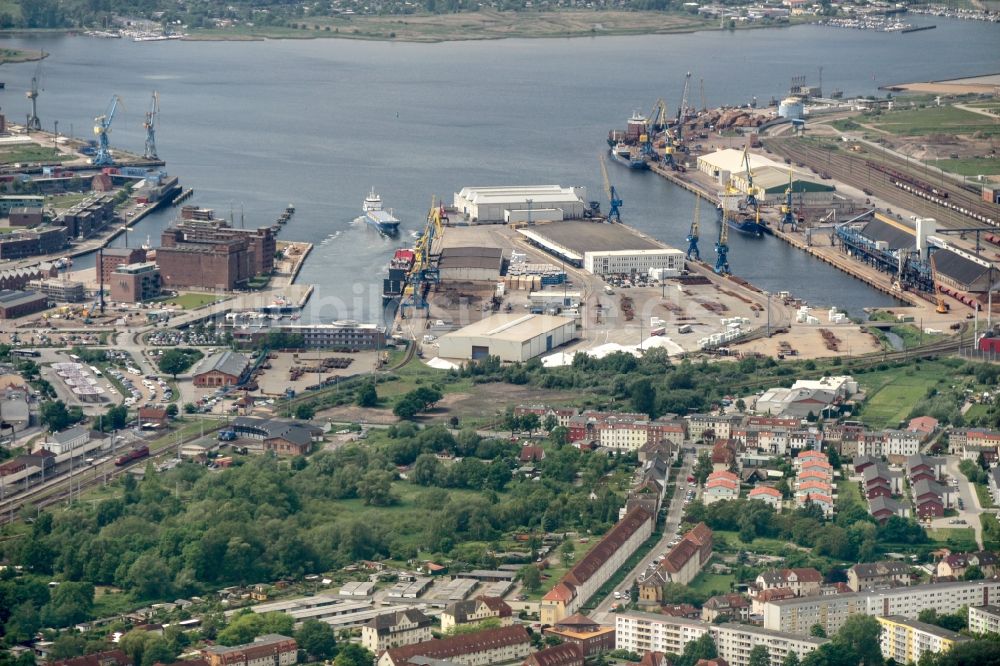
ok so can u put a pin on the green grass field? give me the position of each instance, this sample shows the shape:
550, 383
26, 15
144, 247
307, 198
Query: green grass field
991, 531
985, 500
192, 301
962, 539
935, 120
68, 200
969, 167
33, 153
712, 584
726, 541
893, 393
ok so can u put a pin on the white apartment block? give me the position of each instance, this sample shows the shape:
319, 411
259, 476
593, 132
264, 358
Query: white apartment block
984, 619
642, 632
624, 436
796, 616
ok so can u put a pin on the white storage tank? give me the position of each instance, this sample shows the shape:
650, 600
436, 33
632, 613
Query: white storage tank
791, 108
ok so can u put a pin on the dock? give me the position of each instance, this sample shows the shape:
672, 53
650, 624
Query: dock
183, 196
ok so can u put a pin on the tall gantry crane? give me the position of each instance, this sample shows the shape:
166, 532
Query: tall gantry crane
682, 110
424, 273
722, 246
102, 126
34, 124
692, 237
787, 214
658, 117
751, 199
150, 124
614, 201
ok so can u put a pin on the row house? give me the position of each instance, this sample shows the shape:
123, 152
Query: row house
710, 426
592, 571
956, 564
479, 648
930, 499
814, 481
920, 466
884, 508
970, 443
803, 582
561, 414
565, 654
624, 432
684, 561
878, 479
475, 611
720, 486
877, 575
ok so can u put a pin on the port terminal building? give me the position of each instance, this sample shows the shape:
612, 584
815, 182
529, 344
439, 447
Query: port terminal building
770, 178
605, 249
525, 204
514, 338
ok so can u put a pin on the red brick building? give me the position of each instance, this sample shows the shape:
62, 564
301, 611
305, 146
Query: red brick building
567, 654
107, 658
226, 368
111, 258
14, 304
592, 637
270, 649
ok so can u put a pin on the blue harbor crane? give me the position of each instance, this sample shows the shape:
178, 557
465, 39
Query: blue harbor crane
614, 201
693, 254
722, 247
102, 126
751, 199
150, 124
787, 214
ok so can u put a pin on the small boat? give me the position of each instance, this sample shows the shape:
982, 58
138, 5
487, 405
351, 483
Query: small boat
384, 222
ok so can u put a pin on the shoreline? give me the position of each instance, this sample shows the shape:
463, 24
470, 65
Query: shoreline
467, 27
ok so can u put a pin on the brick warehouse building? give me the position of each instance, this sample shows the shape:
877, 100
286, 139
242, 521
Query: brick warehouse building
211, 254
134, 283
111, 258
15, 304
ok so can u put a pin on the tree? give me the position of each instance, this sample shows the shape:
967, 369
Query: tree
190, 408
367, 395
817, 630
175, 361
375, 488
741, 405
974, 572
55, 415
71, 602
531, 423
549, 423
353, 654
531, 578
427, 470
304, 411
702, 468
116, 418
860, 633
172, 410
759, 656
791, 659
643, 396
559, 436
317, 639
701, 648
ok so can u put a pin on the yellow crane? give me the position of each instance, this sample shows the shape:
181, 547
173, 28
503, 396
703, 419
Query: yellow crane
942, 305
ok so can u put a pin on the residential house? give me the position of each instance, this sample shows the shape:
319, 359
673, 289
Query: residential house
390, 630
721, 486
475, 611
680, 565
723, 455
480, 648
876, 575
597, 566
106, 658
804, 582
768, 495
270, 649
567, 654
561, 414
735, 607
920, 466
956, 564
591, 636
923, 427
681, 610
761, 599
883, 508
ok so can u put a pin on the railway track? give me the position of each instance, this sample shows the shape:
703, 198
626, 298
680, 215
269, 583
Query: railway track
107, 471
854, 170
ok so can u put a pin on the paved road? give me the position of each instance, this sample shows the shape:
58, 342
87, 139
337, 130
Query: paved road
970, 500
602, 613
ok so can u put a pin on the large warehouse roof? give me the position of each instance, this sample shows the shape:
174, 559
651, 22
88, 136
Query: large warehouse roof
958, 268
775, 180
539, 195
896, 234
581, 237
471, 257
731, 159
511, 327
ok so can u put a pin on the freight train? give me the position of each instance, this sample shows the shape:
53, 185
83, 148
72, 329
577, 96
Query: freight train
134, 454
927, 191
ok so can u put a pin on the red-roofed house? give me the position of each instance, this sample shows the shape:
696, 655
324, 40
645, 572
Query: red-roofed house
596, 567
804, 581
923, 425
567, 654
531, 453
721, 486
767, 494
490, 646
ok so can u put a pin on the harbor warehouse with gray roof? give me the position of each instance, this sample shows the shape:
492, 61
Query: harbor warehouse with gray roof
512, 337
